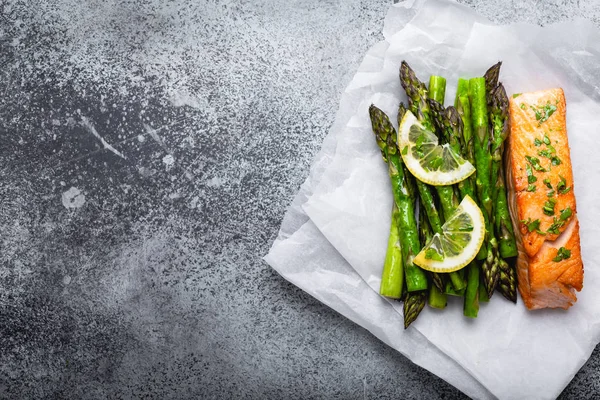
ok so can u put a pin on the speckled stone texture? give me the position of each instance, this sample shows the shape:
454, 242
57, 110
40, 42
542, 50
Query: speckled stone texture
148, 152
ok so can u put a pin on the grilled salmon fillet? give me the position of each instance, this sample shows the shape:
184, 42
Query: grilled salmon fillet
542, 200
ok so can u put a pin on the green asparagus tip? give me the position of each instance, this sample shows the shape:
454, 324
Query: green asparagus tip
491, 76
507, 284
401, 113
409, 81
500, 100
413, 305
382, 128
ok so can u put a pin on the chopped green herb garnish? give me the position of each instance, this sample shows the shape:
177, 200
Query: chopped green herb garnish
545, 153
522, 106
548, 184
530, 177
538, 113
562, 184
516, 95
535, 163
556, 225
537, 142
553, 229
405, 150
549, 206
531, 188
565, 214
561, 187
546, 139
544, 112
550, 193
555, 161
532, 225
549, 110
562, 254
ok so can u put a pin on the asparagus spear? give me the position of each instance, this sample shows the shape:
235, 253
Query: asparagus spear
448, 198
499, 122
463, 106
483, 163
483, 160
491, 77
417, 95
413, 305
415, 277
472, 292
450, 123
392, 278
508, 275
507, 284
428, 205
409, 238
437, 298
498, 109
449, 128
474, 289
504, 228
471, 304
498, 105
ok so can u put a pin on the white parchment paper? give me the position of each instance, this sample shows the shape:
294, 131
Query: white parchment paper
511, 352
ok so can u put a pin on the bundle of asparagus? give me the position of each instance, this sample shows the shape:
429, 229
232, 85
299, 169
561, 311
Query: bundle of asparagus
475, 128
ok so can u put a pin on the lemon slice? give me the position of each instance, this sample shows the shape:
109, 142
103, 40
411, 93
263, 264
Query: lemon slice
458, 244
427, 160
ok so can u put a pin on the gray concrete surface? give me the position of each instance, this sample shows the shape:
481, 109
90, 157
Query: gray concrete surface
148, 151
